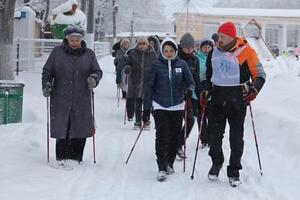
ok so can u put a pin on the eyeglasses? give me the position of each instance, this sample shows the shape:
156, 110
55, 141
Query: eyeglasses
142, 43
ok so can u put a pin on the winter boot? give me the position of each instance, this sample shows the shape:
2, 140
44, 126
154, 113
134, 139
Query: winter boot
147, 125
180, 154
214, 171
204, 145
170, 170
137, 125
61, 164
162, 176
234, 181
130, 119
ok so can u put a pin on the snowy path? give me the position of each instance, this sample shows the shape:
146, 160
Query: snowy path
25, 174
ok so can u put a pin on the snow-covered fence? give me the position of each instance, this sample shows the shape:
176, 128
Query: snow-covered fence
101, 49
31, 54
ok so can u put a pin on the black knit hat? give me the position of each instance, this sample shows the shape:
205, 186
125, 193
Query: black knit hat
206, 42
187, 41
73, 30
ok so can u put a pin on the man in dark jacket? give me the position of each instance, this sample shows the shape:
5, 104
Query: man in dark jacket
230, 66
186, 52
69, 75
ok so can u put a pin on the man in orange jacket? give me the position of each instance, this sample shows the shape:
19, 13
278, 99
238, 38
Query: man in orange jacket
230, 66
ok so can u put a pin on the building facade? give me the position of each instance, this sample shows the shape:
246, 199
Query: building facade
280, 28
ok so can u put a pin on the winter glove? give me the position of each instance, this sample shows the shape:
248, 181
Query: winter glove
92, 81
188, 94
203, 98
47, 89
127, 69
251, 94
146, 115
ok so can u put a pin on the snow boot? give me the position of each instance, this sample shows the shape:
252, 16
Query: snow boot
137, 125
170, 170
147, 125
61, 164
214, 171
180, 154
162, 176
234, 181
130, 119
204, 145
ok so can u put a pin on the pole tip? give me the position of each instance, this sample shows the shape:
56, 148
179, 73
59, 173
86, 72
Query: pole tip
192, 177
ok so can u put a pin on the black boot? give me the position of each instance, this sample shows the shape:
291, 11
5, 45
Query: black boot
214, 171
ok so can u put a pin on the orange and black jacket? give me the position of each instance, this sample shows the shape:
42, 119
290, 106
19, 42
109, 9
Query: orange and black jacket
250, 68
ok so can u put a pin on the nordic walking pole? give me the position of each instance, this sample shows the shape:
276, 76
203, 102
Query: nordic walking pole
185, 133
118, 96
255, 138
94, 124
134, 144
125, 112
48, 129
198, 141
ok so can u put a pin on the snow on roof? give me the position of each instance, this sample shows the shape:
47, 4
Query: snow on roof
247, 12
26, 9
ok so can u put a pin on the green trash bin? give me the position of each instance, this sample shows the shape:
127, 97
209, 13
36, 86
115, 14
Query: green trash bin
11, 102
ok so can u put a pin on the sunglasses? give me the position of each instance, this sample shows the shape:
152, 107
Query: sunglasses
142, 43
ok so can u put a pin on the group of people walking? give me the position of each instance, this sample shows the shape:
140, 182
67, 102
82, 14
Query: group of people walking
176, 83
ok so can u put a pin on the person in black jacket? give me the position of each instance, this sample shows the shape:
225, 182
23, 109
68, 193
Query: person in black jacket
186, 52
137, 69
168, 80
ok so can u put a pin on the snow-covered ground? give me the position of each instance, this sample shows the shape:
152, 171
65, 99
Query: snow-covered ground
25, 174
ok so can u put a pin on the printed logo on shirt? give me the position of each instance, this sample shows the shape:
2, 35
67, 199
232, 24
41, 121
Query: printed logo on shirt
178, 70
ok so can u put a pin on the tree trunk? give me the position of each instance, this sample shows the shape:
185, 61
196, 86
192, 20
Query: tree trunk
46, 12
6, 39
83, 6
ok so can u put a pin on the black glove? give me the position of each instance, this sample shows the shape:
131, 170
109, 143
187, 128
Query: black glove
146, 115
127, 69
188, 94
92, 83
47, 89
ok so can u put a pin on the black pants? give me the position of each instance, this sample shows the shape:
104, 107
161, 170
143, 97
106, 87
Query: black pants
190, 122
168, 126
123, 94
134, 107
70, 148
217, 117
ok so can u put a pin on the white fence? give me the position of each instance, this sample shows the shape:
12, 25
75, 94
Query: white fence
31, 54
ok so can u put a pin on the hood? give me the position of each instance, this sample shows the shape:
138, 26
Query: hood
168, 39
156, 43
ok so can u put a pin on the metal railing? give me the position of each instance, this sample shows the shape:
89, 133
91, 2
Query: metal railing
32, 54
